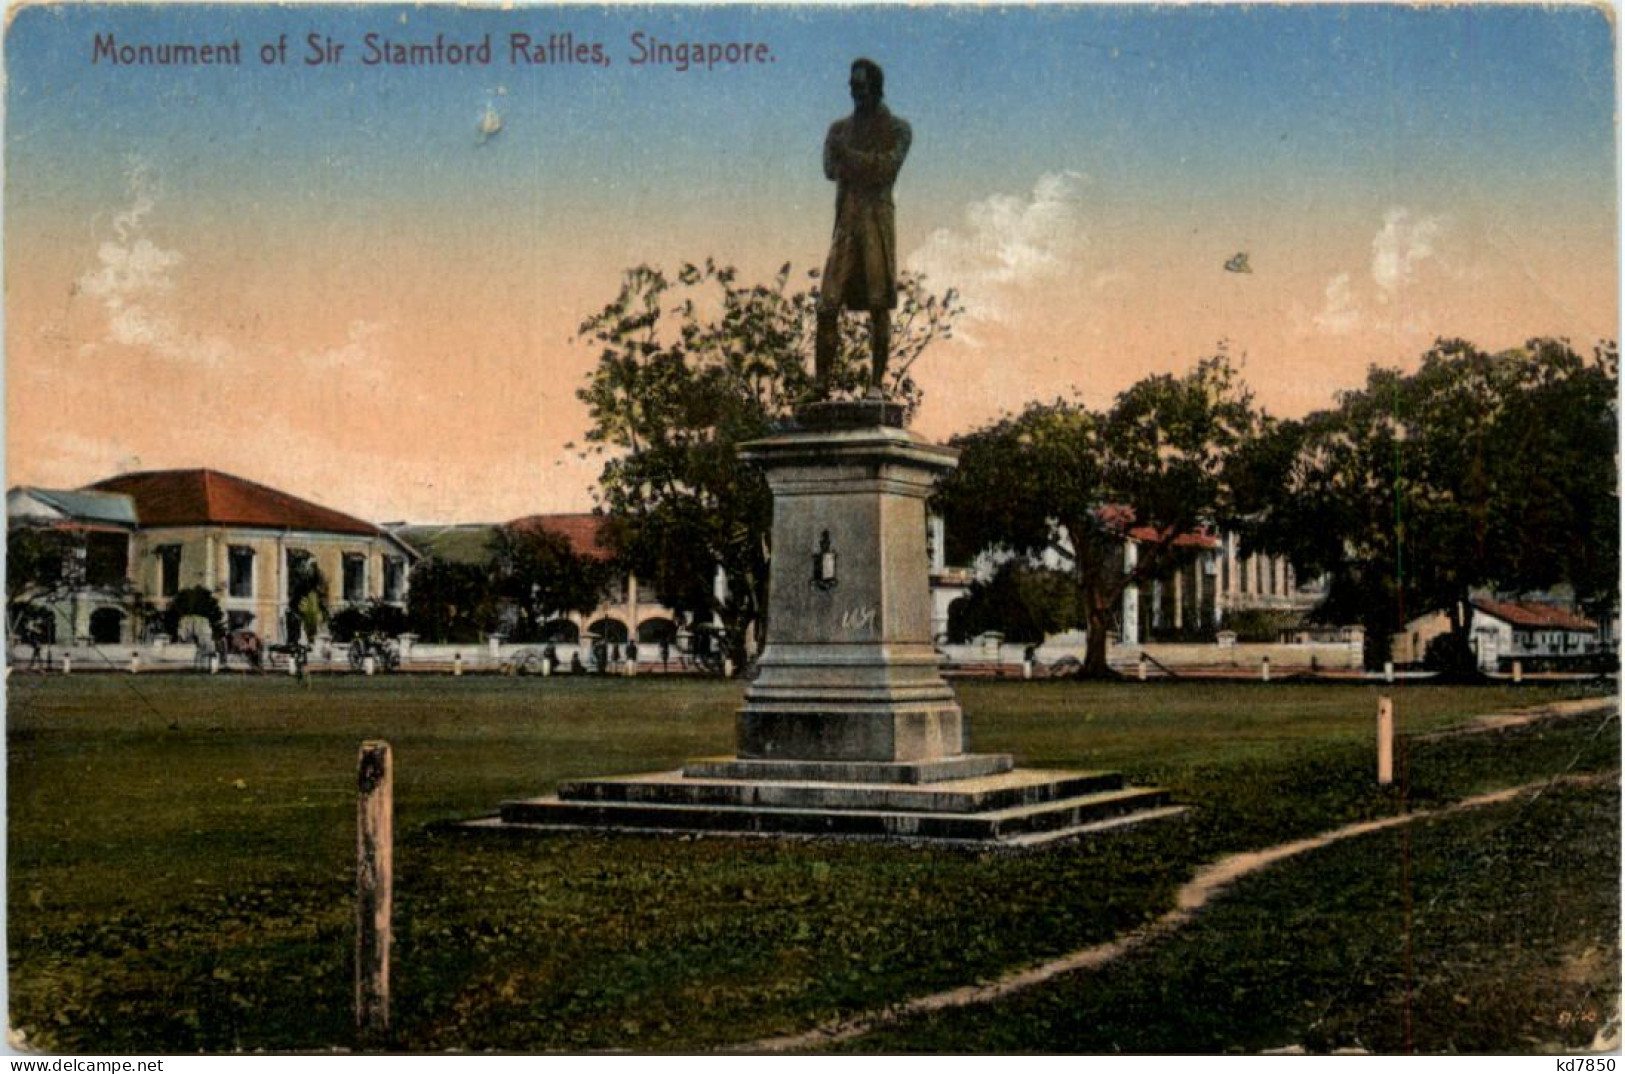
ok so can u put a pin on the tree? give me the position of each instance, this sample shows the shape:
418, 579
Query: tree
1023, 602
43, 566
688, 369
48, 565
374, 618
1477, 471
543, 578
198, 602
307, 594
1062, 480
450, 602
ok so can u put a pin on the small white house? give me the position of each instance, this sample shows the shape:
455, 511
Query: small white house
1521, 630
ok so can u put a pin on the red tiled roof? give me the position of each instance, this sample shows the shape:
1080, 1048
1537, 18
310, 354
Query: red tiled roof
208, 497
1531, 614
582, 531
1120, 517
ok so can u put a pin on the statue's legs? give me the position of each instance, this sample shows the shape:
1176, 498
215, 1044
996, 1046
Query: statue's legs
879, 347
828, 340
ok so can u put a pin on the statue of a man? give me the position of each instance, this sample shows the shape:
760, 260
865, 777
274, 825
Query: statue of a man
862, 155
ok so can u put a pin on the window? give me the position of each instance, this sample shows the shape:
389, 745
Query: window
355, 577
241, 560
169, 569
394, 578
107, 558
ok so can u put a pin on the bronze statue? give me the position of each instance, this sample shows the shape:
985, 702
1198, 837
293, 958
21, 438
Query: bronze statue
862, 155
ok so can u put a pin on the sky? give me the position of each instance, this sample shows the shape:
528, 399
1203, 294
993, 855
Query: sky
361, 283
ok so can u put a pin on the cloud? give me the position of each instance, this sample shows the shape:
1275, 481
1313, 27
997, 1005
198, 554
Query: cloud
1399, 250
133, 278
1340, 315
1008, 241
1403, 243
357, 354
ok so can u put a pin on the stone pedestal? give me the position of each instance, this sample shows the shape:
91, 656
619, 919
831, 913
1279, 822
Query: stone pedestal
848, 672
848, 727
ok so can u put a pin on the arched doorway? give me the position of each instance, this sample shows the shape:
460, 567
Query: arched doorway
610, 630
561, 632
655, 630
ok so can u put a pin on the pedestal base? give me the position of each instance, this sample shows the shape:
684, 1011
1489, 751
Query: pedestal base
1003, 807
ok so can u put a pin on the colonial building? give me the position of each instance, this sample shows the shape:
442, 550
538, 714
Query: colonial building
1211, 583
626, 610
92, 596
1211, 586
243, 540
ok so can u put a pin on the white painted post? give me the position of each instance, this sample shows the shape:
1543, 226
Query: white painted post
495, 642
456, 664
67, 663
727, 667
547, 668
1517, 671
1142, 667
135, 662
1026, 669
214, 663
1264, 668
369, 664
293, 666
1385, 740
1388, 671
375, 884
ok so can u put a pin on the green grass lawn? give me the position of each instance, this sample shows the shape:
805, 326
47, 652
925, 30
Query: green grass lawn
181, 855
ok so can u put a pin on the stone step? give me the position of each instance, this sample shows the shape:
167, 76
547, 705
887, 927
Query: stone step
1014, 824
963, 766
977, 795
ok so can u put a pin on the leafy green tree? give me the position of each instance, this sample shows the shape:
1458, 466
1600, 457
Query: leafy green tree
689, 368
1023, 602
450, 602
375, 617
195, 601
543, 578
43, 566
1064, 481
1477, 471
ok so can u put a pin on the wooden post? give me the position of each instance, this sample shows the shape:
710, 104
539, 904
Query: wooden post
1385, 740
375, 880
1264, 668
1141, 667
1517, 671
1388, 671
135, 663
456, 664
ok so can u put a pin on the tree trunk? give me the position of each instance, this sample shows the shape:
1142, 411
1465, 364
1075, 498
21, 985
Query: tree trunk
1094, 657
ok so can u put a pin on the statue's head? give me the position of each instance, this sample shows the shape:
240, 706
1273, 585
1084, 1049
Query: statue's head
868, 84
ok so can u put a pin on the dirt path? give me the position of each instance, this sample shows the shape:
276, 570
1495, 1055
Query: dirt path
1196, 893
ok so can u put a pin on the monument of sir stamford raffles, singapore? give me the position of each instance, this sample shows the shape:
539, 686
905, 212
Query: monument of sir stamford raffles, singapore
849, 727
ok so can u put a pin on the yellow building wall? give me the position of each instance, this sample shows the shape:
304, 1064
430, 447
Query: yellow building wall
205, 561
